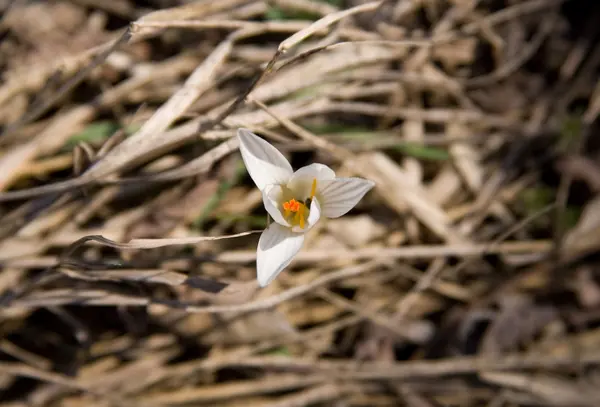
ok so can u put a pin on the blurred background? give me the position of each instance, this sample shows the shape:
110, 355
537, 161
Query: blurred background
467, 277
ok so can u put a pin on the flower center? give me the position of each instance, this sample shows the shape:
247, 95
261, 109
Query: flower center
292, 205
296, 212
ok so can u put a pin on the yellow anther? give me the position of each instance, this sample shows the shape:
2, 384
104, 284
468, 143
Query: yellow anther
313, 190
301, 215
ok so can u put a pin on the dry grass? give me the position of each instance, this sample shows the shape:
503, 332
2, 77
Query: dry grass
128, 225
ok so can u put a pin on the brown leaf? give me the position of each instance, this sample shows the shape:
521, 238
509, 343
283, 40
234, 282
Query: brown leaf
585, 236
586, 288
517, 322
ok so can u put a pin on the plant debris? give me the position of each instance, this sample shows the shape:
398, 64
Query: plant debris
128, 224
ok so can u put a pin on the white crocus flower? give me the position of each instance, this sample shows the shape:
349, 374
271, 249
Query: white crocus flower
295, 200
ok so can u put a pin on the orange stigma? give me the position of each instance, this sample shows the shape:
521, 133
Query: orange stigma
291, 206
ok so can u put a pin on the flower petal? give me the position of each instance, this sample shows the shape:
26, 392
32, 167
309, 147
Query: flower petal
265, 164
316, 170
272, 196
313, 217
277, 247
301, 181
342, 194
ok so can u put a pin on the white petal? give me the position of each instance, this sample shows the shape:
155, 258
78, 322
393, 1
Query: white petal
277, 247
316, 170
313, 217
342, 194
302, 180
272, 196
265, 164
